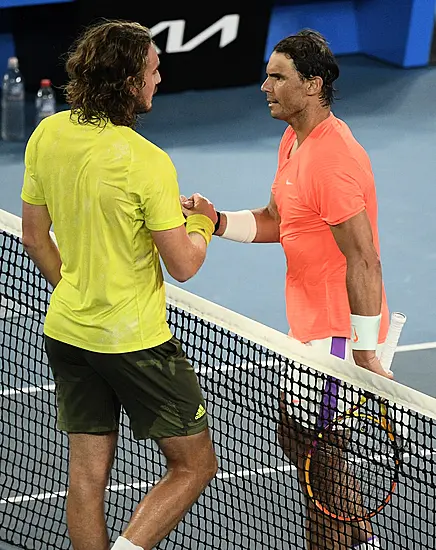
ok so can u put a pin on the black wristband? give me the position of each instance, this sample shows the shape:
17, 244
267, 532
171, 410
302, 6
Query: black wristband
217, 225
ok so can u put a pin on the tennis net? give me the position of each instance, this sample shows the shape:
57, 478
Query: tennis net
255, 501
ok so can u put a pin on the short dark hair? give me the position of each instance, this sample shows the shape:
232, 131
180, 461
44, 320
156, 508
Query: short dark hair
103, 65
310, 52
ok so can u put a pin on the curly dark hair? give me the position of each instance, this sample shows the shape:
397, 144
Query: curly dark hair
103, 65
312, 57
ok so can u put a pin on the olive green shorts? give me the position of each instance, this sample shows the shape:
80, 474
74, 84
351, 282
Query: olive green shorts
157, 388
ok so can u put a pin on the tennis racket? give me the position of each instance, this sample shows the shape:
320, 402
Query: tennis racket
352, 467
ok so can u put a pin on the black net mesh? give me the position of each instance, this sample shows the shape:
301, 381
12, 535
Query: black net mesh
255, 501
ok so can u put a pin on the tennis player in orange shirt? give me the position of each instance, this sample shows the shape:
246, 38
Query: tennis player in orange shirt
323, 211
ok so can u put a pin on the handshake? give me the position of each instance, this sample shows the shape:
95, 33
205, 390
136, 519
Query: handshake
197, 204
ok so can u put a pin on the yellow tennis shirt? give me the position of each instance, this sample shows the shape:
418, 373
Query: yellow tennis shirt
106, 188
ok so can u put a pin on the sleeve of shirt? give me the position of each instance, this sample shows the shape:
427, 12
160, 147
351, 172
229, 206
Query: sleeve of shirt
161, 198
32, 191
336, 191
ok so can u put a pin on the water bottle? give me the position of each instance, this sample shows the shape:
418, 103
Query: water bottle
45, 102
12, 103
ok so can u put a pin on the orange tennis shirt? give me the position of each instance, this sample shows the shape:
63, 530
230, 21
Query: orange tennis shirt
328, 180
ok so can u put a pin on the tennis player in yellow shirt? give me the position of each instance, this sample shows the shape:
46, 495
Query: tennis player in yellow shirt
112, 198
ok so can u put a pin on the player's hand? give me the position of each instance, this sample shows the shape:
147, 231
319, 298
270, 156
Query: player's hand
186, 203
368, 360
197, 204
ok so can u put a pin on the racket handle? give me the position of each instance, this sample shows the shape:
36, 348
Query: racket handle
389, 347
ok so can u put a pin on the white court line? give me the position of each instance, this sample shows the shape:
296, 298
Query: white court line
224, 476
416, 347
203, 370
27, 498
29, 389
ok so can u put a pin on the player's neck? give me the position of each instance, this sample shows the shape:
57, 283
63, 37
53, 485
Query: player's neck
305, 121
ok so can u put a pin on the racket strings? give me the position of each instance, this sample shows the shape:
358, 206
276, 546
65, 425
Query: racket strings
373, 459
352, 468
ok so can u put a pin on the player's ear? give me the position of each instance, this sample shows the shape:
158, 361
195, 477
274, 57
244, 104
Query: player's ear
314, 85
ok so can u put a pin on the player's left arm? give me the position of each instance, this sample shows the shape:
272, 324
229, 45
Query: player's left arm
364, 275
336, 194
37, 242
364, 285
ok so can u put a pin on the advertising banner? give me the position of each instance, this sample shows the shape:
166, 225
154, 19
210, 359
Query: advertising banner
201, 45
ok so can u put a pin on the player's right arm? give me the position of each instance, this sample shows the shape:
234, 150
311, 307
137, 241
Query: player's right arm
261, 225
181, 242
183, 249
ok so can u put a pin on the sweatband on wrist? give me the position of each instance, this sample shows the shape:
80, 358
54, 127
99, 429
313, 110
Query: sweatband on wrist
364, 331
217, 225
241, 226
199, 223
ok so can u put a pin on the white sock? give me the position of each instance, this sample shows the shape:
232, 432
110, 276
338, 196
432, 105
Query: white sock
123, 544
371, 544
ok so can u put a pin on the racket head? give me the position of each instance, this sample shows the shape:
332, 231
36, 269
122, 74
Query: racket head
352, 467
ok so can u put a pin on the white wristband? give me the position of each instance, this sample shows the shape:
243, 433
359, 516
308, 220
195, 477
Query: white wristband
364, 331
241, 226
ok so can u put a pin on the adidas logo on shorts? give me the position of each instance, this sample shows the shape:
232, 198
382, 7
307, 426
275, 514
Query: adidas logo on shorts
201, 411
